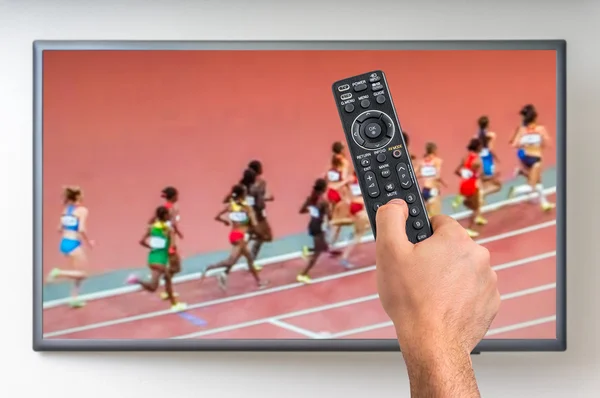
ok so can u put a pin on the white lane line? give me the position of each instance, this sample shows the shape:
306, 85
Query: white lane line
340, 304
295, 329
521, 325
382, 325
491, 332
276, 259
257, 293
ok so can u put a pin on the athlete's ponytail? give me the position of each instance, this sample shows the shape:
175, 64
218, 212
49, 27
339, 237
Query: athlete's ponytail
71, 194
483, 122
169, 193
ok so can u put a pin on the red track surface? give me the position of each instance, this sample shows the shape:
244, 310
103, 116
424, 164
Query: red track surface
270, 314
124, 124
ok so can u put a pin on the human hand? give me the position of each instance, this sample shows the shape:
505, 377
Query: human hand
441, 293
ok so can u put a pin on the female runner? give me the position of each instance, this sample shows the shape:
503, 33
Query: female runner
360, 220
240, 217
72, 225
338, 196
520, 152
171, 196
430, 171
319, 209
468, 171
533, 139
261, 198
490, 178
159, 239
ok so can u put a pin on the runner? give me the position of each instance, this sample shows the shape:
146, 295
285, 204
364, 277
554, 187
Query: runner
159, 239
533, 139
73, 223
319, 210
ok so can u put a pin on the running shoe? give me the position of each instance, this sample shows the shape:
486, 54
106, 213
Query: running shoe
76, 303
458, 199
345, 263
222, 280
132, 279
472, 234
304, 279
548, 206
165, 295
53, 274
178, 307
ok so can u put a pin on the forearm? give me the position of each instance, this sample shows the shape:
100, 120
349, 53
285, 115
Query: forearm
442, 370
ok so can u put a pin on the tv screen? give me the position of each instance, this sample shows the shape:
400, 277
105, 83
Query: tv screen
136, 138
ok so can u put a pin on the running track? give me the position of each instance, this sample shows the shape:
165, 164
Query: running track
339, 304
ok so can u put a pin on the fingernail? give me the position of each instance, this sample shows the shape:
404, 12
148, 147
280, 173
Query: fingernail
397, 202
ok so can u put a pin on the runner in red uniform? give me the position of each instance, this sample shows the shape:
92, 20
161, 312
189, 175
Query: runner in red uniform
469, 172
339, 196
360, 219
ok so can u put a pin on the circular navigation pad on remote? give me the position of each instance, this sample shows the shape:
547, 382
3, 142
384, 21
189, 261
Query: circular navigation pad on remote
372, 130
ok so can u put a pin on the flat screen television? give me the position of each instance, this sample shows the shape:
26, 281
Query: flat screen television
126, 130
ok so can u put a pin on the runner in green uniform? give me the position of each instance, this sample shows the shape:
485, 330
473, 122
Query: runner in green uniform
159, 238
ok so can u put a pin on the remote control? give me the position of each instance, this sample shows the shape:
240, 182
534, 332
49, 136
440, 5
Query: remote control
381, 160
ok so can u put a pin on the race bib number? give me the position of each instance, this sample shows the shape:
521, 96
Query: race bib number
484, 152
433, 192
250, 200
355, 189
465, 174
68, 221
314, 212
531, 139
333, 176
169, 223
428, 171
238, 216
157, 242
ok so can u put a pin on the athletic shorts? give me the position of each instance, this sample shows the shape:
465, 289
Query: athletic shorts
356, 208
429, 193
468, 188
333, 196
67, 246
488, 166
529, 161
236, 236
315, 227
158, 257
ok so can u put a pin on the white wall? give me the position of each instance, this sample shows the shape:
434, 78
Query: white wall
293, 375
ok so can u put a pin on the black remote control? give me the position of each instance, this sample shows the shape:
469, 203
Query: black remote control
378, 150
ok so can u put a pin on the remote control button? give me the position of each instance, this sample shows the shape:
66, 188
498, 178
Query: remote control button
346, 96
421, 236
361, 118
414, 211
381, 157
374, 78
371, 182
418, 224
385, 173
410, 198
373, 130
390, 186
365, 103
356, 134
344, 87
389, 123
349, 108
380, 99
365, 162
397, 153
376, 86
373, 145
376, 206
360, 87
403, 175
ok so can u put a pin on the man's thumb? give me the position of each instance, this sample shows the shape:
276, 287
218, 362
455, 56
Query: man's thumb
391, 224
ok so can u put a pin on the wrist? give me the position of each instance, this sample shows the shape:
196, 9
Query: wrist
439, 367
